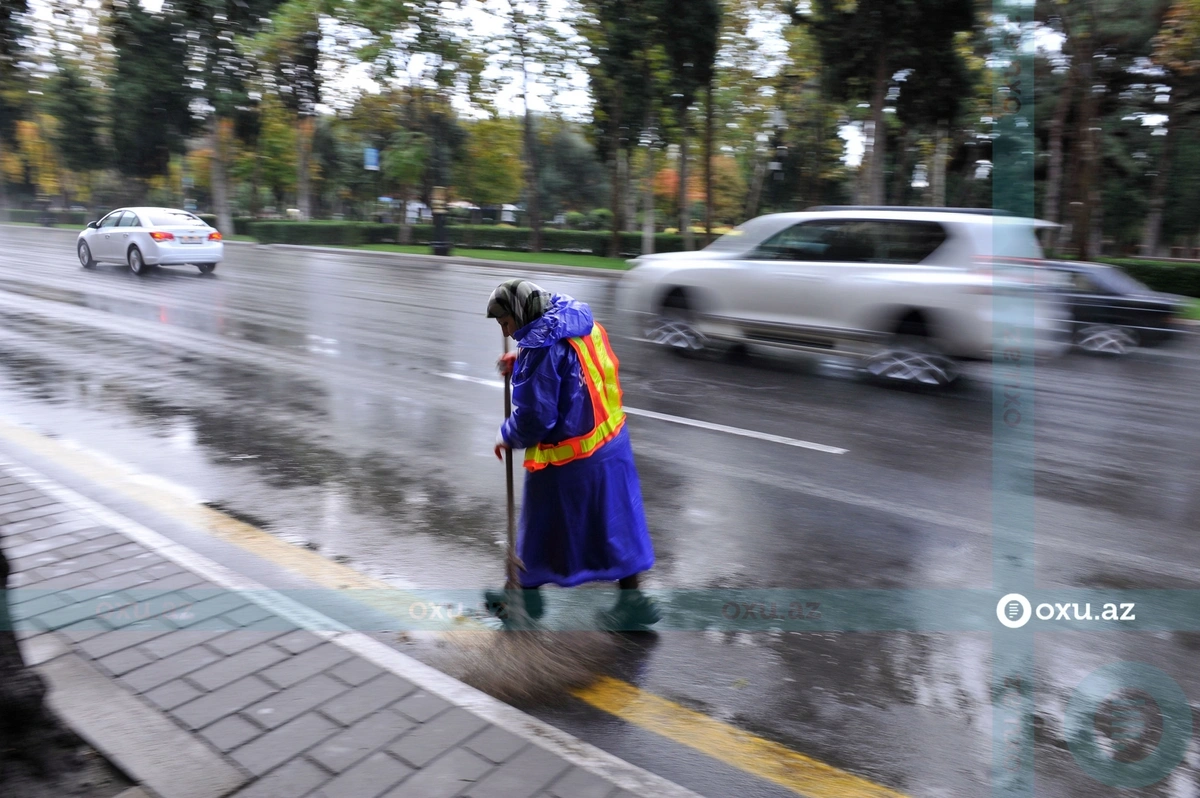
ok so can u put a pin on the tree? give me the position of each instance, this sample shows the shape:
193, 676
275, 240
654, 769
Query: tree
621, 38
865, 44
1103, 40
572, 178
11, 94
73, 101
1177, 50
533, 51
220, 70
490, 174
404, 164
151, 78
689, 31
289, 54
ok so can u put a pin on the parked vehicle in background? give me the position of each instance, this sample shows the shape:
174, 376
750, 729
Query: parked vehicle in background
143, 238
908, 291
1109, 312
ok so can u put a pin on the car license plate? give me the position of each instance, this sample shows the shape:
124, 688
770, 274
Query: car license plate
192, 239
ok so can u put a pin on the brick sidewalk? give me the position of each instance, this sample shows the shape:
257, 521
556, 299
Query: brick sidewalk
290, 713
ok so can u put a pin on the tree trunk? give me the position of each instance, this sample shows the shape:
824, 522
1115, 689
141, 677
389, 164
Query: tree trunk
648, 203
1052, 204
255, 177
303, 181
220, 187
756, 184
685, 209
533, 183
709, 113
1158, 195
901, 180
937, 178
3, 185
1087, 164
405, 227
877, 141
631, 225
615, 242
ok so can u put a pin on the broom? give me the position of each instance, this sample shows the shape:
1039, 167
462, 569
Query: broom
524, 662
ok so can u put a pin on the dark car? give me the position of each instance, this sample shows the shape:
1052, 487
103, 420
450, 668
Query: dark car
1112, 312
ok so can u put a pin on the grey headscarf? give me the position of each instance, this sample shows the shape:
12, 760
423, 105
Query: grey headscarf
521, 299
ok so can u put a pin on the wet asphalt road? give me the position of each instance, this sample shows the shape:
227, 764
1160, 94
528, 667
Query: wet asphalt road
306, 393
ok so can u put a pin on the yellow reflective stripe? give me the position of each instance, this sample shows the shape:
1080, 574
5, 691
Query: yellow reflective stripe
589, 365
603, 387
610, 387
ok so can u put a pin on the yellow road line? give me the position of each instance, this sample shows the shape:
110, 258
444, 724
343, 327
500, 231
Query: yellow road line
739, 749
727, 744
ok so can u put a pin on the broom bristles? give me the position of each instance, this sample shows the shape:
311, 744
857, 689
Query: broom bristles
533, 665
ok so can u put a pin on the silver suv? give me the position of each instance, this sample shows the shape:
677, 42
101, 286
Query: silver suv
909, 291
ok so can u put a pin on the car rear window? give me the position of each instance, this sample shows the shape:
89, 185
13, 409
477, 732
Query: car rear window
173, 217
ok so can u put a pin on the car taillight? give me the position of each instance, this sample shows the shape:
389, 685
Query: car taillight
214, 236
158, 235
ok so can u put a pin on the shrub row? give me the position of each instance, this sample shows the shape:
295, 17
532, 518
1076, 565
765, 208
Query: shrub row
1173, 278
351, 234
241, 225
60, 217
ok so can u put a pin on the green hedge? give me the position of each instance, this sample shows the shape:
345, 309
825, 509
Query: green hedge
351, 234
241, 225
60, 217
1173, 278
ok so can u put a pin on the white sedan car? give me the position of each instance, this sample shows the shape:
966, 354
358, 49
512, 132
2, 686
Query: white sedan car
148, 237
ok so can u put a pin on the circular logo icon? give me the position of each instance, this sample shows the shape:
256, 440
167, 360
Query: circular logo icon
1128, 724
1014, 610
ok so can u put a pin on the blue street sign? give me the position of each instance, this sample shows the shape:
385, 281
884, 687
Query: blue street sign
371, 159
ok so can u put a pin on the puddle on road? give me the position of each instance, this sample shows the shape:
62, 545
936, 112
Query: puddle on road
369, 506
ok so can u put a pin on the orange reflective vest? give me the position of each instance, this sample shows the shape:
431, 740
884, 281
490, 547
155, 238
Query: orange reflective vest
599, 366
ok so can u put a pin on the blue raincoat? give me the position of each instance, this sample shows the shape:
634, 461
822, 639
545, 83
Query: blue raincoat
582, 521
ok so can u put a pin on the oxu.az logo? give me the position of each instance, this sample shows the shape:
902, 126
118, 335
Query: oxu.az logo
1128, 724
1014, 611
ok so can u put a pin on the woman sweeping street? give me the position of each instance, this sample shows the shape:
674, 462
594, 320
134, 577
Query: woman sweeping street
582, 518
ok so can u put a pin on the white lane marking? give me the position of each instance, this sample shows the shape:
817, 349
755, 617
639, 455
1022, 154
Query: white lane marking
687, 422
477, 380
558, 742
745, 433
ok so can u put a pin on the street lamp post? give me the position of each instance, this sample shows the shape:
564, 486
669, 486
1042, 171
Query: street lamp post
441, 244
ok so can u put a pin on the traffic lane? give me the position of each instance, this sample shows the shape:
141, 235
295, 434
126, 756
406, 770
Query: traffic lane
363, 307
954, 445
747, 655
417, 316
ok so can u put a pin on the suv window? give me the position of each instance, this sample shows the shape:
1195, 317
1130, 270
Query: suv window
128, 220
111, 219
804, 241
856, 241
906, 241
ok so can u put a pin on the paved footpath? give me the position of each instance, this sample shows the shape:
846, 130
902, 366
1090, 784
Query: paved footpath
198, 689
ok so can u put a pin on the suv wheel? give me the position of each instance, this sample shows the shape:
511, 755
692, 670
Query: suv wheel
674, 325
912, 360
1105, 339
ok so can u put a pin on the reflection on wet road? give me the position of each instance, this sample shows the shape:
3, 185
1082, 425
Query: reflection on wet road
348, 404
